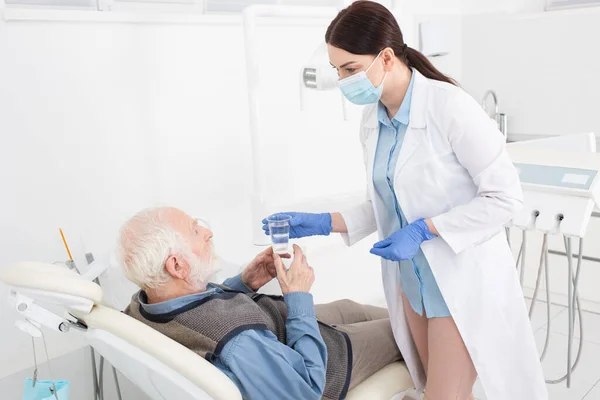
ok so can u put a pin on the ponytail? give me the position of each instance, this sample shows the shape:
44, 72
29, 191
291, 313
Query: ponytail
417, 60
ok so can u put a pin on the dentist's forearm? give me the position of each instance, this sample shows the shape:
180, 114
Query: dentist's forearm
338, 224
431, 227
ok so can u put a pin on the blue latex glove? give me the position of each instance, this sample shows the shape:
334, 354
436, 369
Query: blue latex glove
305, 224
404, 243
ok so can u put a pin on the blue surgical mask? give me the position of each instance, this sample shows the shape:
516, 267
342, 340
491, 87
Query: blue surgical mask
358, 89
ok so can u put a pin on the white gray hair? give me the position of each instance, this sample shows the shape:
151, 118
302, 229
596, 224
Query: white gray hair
145, 243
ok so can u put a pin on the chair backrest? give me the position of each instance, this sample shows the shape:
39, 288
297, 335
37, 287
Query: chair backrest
161, 367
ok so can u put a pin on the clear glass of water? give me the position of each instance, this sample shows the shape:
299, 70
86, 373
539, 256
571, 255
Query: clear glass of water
279, 226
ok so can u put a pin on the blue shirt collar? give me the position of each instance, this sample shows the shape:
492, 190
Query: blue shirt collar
403, 114
176, 303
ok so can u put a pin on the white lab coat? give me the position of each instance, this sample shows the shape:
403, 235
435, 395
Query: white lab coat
453, 168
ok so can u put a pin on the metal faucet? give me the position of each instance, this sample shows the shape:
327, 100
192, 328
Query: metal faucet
501, 119
484, 102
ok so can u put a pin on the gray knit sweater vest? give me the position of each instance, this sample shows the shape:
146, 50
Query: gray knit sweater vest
206, 325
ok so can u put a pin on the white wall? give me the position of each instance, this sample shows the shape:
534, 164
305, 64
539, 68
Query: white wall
99, 120
543, 66
76, 154
451, 63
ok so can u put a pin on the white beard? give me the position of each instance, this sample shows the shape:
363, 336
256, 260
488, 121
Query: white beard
203, 271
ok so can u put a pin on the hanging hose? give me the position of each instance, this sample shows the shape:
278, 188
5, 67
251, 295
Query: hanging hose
543, 265
520, 253
539, 275
575, 282
548, 303
523, 258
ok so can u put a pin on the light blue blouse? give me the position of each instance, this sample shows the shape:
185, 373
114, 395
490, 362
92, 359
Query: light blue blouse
417, 280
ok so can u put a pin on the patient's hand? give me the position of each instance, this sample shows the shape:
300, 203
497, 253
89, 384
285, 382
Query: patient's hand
261, 270
299, 278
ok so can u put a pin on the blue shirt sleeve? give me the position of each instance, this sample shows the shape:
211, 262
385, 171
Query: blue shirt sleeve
236, 283
264, 368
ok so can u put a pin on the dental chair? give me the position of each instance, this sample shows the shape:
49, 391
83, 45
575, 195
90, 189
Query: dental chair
159, 366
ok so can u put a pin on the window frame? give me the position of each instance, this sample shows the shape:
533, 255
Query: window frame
552, 5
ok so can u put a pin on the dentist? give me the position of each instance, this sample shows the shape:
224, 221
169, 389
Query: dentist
440, 188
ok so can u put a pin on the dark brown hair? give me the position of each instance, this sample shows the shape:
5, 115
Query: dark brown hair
366, 27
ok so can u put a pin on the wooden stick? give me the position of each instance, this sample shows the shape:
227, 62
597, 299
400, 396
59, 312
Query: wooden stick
66, 245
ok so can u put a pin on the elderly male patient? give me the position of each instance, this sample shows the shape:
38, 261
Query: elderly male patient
271, 347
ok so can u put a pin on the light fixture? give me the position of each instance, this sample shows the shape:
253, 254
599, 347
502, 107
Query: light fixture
434, 38
318, 74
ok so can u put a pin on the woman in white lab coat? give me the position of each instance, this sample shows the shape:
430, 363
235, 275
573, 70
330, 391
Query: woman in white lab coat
440, 189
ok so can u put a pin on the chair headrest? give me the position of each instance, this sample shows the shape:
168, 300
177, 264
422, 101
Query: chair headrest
51, 278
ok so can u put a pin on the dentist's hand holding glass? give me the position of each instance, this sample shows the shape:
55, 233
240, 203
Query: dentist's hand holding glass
306, 224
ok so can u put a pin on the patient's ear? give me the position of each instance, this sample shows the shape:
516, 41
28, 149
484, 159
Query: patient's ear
176, 267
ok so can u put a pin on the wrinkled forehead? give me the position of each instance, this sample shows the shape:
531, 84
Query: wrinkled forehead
185, 223
181, 221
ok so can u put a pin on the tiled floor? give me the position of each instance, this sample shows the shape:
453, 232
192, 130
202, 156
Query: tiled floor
585, 383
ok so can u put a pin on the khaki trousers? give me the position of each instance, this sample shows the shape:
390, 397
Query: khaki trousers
370, 333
